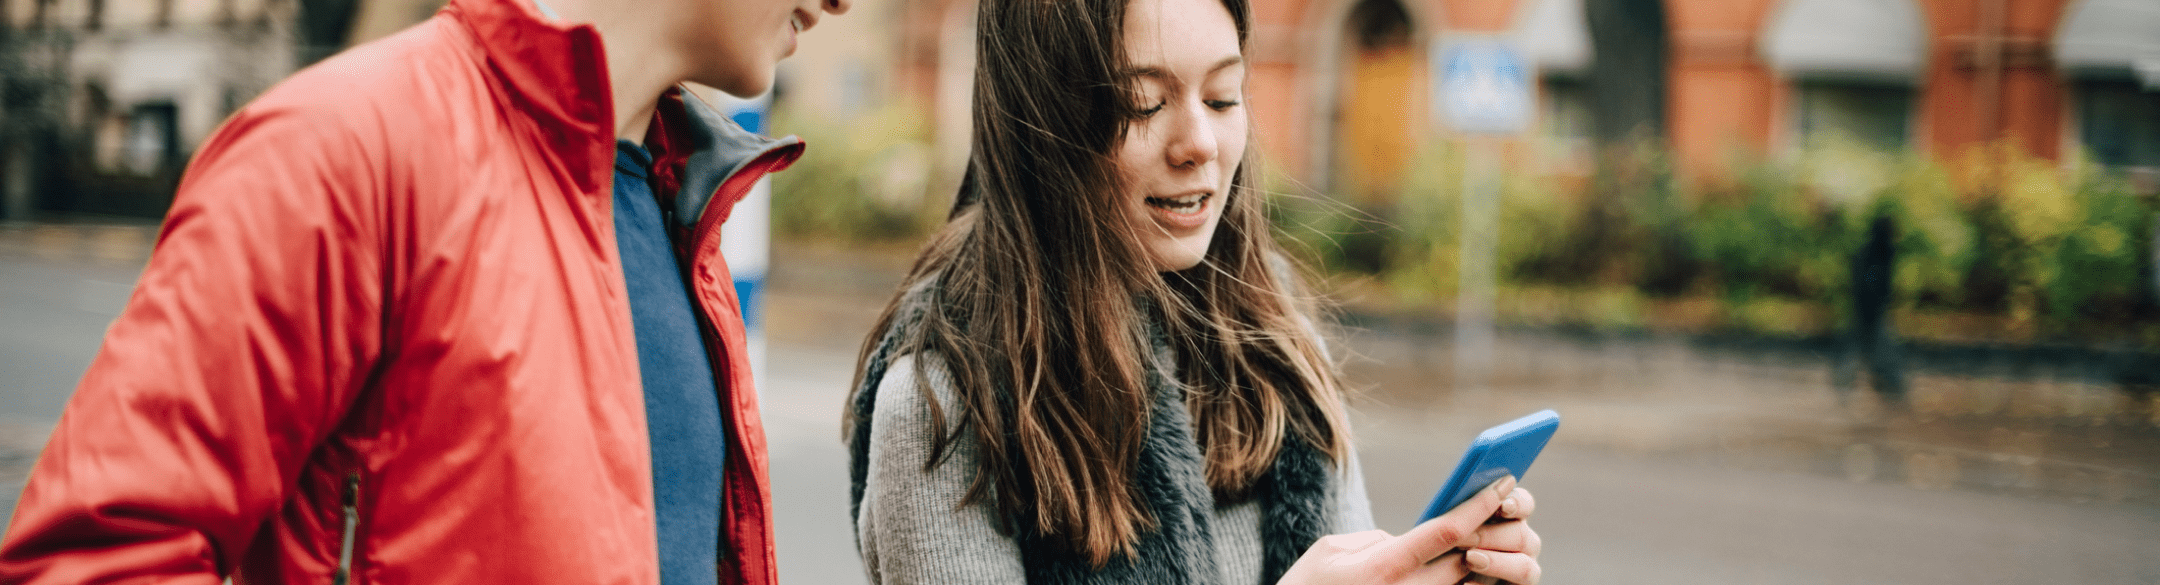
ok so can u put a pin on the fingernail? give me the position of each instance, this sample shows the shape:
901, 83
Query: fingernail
1477, 560
1507, 507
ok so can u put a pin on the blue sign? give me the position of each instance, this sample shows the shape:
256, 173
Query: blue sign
1482, 87
750, 115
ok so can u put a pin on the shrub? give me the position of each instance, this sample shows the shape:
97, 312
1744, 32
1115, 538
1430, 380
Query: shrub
2041, 248
867, 180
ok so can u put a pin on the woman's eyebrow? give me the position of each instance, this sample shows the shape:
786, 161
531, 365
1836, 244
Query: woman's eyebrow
1226, 63
1161, 73
1147, 71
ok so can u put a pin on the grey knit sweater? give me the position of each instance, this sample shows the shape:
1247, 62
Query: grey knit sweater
912, 529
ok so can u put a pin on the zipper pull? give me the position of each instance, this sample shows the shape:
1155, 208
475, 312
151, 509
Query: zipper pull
352, 529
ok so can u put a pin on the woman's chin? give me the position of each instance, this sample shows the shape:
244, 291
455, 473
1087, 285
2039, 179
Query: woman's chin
1176, 256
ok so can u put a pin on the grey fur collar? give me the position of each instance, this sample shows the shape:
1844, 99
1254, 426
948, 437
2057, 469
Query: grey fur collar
1293, 495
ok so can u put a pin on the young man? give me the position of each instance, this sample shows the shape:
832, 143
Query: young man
446, 308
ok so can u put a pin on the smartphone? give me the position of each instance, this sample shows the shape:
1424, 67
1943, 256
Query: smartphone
1498, 452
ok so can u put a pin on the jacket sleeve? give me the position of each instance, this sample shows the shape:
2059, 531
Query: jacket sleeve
241, 348
912, 528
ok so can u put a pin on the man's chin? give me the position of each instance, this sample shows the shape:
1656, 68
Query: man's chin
741, 86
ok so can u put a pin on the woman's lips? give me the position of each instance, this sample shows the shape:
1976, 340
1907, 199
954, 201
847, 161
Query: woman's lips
1186, 211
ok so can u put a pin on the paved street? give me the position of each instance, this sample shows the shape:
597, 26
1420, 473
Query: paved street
1673, 466
59, 288
1670, 467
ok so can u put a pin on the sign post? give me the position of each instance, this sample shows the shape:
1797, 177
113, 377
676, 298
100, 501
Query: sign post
1483, 92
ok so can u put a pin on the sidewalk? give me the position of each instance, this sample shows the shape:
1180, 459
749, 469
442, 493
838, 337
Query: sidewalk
2043, 432
115, 242
2055, 434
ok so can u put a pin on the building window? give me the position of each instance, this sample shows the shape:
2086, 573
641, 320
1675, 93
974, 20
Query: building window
2119, 123
1565, 124
153, 140
1877, 116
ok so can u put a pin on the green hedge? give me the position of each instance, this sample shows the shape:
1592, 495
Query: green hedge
2025, 247
2039, 248
866, 180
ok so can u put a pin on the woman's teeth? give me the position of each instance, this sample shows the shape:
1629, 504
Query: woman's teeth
1185, 204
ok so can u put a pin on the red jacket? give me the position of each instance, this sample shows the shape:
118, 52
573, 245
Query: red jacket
385, 328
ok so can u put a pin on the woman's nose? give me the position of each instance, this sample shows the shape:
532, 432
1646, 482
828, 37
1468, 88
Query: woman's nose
836, 6
1192, 141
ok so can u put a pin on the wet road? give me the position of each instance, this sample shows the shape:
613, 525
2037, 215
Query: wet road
56, 298
1607, 518
1669, 469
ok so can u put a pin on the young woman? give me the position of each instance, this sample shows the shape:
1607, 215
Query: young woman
1102, 371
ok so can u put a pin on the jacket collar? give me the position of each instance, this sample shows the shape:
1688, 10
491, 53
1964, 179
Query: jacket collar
706, 160
556, 74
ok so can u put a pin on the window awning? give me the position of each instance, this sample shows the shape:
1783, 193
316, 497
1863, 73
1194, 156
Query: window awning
1861, 40
1555, 36
2112, 39
158, 68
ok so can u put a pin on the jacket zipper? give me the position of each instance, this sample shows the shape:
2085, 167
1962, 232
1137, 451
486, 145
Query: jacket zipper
352, 529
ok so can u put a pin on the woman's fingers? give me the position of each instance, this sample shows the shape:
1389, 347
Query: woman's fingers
1336, 546
1518, 505
1517, 568
1455, 529
1466, 542
1446, 570
1509, 536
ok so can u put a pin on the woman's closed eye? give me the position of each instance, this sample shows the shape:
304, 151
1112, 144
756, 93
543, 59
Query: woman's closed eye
1150, 111
1217, 105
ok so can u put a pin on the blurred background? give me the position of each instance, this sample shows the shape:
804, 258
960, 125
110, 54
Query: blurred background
1826, 291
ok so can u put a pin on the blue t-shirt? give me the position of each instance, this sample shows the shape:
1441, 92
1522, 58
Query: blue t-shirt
682, 399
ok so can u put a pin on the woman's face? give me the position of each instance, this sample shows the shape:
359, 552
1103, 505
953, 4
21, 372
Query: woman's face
1178, 156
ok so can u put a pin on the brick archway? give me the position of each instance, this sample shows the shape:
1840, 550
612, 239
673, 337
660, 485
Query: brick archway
1329, 50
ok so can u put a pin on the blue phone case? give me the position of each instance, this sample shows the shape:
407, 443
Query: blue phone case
1498, 452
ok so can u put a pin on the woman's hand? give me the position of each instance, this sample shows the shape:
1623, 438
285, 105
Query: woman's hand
1485, 538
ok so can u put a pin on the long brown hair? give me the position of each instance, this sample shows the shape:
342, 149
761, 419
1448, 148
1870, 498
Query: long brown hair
1043, 296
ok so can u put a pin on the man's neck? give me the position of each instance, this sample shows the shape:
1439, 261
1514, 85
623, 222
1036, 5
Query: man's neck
640, 66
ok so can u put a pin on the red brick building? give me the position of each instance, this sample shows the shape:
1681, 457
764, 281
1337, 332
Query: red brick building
1340, 88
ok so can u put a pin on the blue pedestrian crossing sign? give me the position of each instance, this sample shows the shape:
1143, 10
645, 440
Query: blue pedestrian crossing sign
1482, 87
